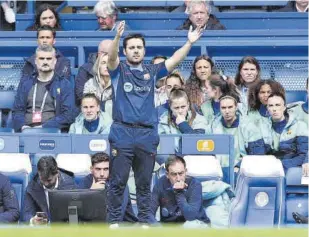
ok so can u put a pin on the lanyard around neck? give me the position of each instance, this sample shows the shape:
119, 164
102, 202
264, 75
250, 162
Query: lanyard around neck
34, 97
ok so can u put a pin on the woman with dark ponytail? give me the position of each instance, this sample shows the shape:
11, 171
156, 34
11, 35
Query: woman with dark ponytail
181, 116
216, 86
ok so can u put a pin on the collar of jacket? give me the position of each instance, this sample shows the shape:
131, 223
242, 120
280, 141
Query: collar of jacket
91, 126
279, 126
305, 106
234, 124
263, 111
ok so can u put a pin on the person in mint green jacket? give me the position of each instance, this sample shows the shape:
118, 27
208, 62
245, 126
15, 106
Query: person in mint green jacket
91, 120
257, 103
181, 118
247, 139
215, 87
289, 135
300, 109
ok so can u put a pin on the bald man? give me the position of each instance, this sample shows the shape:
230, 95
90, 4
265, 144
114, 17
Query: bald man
85, 71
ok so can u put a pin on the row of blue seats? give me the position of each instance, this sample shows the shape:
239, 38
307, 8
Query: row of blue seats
260, 192
170, 21
160, 3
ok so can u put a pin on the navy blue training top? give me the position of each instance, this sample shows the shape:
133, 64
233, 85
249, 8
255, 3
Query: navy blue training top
133, 89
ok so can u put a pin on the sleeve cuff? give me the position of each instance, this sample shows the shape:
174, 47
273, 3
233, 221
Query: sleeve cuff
184, 127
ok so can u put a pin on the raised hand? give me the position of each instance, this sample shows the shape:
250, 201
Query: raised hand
194, 35
120, 28
98, 185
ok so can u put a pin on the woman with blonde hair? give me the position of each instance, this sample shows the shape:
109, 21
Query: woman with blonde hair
100, 84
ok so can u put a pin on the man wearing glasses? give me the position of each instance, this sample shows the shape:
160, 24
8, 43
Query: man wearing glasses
179, 196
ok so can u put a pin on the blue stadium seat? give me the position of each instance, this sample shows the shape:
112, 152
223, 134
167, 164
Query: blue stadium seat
18, 168
7, 130
260, 193
40, 130
295, 96
204, 168
19, 181
296, 194
7, 99
79, 164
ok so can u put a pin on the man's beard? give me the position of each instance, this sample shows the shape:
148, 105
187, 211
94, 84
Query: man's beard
134, 63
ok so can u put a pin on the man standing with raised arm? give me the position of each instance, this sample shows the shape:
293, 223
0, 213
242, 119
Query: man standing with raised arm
133, 136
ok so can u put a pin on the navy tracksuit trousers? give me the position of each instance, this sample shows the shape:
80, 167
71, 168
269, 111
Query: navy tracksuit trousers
134, 147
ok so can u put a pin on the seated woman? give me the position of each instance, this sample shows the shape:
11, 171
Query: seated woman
195, 85
91, 120
247, 139
300, 109
289, 135
248, 75
216, 86
100, 84
181, 118
173, 80
257, 104
46, 15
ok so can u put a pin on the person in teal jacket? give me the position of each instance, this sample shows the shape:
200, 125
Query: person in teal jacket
215, 87
289, 136
181, 118
91, 120
257, 103
247, 139
300, 109
173, 80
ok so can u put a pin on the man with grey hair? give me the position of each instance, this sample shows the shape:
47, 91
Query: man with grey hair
199, 16
106, 12
44, 100
85, 71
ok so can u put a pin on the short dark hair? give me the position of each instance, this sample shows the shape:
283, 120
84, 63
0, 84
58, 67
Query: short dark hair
279, 94
172, 159
133, 36
92, 96
158, 57
47, 166
45, 27
99, 157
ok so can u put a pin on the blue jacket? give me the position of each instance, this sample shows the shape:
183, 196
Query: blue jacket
9, 208
83, 75
289, 141
35, 199
127, 210
179, 206
60, 90
62, 68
